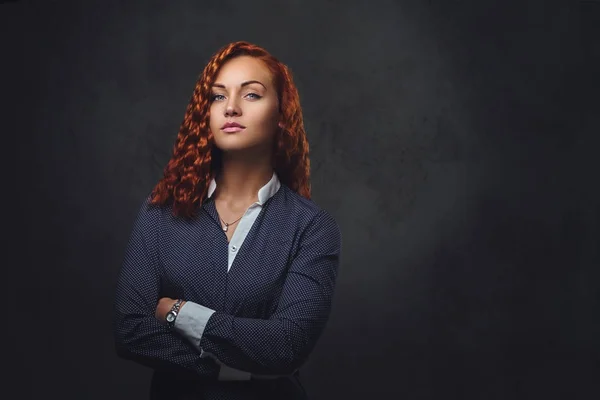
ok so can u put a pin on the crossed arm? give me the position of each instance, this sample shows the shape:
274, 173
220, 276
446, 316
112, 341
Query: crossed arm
275, 346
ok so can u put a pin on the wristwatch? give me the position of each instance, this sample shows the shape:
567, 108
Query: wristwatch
172, 314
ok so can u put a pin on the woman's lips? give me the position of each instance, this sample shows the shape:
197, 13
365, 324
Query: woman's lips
233, 129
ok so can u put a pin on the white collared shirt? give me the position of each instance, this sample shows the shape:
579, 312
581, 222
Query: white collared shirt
244, 225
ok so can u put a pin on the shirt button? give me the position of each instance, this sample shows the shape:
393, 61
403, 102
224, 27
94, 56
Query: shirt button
233, 248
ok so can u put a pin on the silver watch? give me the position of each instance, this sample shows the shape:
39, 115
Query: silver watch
172, 314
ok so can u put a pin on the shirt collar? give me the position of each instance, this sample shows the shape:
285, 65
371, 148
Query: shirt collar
264, 193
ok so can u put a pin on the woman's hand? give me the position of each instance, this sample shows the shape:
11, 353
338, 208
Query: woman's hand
163, 307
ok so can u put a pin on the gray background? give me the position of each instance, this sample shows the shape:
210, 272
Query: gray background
454, 142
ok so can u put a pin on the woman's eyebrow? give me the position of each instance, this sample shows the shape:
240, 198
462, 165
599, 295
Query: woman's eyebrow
220, 85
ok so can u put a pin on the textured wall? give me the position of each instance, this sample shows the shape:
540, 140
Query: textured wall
454, 143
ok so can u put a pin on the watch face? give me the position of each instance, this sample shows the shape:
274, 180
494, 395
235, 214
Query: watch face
170, 317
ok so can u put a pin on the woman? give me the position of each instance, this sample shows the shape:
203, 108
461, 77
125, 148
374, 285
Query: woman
229, 273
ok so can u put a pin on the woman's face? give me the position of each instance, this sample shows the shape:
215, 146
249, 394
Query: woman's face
243, 94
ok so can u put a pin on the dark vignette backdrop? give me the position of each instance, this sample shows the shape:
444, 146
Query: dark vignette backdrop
455, 142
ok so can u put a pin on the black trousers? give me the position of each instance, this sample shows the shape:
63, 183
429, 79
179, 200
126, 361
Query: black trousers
177, 387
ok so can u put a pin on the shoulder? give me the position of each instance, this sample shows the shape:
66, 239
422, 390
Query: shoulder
147, 210
151, 216
306, 213
290, 202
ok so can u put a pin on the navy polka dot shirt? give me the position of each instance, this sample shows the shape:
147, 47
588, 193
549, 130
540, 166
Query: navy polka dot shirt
267, 306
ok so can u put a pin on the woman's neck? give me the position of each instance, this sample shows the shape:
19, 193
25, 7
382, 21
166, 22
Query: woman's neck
240, 180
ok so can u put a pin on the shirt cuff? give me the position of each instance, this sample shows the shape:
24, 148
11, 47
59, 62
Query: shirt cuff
191, 321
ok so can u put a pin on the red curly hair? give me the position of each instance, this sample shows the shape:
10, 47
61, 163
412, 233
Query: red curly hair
196, 159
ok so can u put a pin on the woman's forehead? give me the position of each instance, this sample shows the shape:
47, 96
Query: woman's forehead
242, 69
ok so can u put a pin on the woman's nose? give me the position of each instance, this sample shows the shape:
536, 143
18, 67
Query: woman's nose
232, 109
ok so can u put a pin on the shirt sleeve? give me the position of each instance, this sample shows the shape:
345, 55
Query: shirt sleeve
281, 344
138, 335
191, 321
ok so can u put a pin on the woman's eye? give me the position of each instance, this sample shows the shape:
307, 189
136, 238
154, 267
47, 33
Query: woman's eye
219, 97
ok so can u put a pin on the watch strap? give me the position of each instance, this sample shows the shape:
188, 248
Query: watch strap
174, 310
